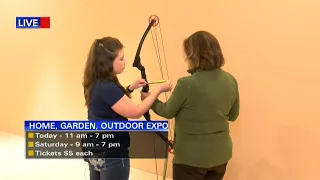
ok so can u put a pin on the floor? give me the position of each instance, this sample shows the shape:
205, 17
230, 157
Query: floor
14, 166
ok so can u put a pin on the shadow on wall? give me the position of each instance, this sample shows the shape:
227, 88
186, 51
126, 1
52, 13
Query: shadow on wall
297, 149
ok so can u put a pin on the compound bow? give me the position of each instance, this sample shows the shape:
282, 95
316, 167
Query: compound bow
153, 22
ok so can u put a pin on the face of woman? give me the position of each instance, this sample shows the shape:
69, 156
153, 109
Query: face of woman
119, 63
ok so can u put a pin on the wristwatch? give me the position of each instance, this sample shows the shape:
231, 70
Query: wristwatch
130, 91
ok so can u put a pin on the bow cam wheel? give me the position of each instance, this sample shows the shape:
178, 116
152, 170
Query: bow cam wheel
156, 18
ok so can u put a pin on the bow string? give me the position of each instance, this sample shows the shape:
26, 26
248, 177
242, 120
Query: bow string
153, 23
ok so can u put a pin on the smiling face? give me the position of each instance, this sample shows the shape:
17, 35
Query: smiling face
119, 62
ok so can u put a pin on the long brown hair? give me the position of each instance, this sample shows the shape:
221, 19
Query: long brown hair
99, 65
203, 51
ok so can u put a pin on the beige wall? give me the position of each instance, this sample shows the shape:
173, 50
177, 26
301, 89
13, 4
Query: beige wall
272, 47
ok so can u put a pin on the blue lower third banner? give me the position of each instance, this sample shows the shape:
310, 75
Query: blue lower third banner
110, 125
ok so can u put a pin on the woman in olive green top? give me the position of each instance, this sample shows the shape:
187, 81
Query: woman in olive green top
202, 105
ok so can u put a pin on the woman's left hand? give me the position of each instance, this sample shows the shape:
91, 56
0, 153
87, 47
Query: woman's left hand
137, 84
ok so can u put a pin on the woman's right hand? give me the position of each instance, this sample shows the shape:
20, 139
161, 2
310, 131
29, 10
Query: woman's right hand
165, 87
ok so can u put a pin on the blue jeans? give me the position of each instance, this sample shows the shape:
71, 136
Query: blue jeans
109, 169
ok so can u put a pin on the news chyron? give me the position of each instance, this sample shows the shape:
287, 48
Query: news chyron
79, 139
32, 22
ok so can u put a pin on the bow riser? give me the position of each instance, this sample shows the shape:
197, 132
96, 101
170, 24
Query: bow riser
137, 64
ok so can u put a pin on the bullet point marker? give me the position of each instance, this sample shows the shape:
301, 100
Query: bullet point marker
30, 135
30, 144
30, 153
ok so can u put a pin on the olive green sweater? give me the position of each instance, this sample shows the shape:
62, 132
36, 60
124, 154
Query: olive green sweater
202, 105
